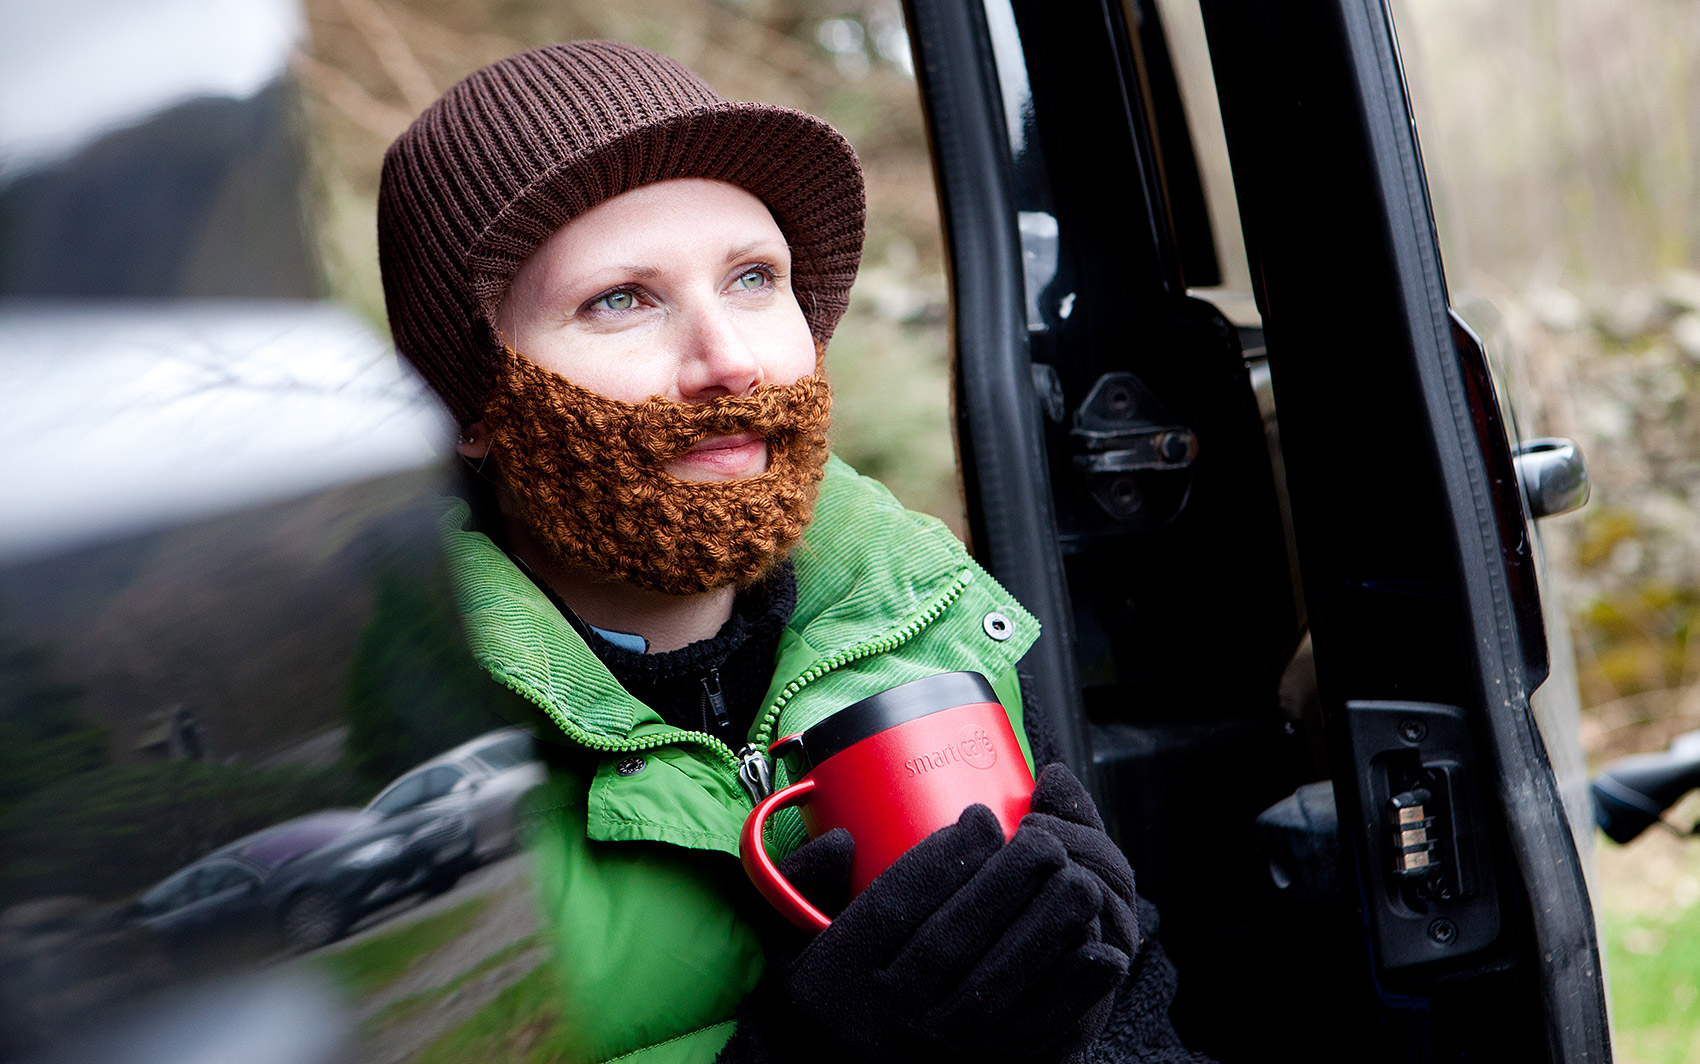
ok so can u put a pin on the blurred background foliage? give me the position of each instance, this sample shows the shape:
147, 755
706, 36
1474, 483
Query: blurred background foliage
116, 829
414, 689
44, 734
1561, 141
150, 712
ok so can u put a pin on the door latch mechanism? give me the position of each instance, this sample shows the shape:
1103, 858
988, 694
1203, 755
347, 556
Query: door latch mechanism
1133, 456
1427, 870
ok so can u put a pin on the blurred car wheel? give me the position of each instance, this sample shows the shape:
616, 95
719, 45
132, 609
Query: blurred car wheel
312, 919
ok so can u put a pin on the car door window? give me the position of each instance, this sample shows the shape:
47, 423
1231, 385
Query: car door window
216, 879
172, 894
506, 753
438, 782
404, 795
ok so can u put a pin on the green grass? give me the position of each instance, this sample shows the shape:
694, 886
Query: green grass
519, 1026
369, 966
1654, 965
412, 1005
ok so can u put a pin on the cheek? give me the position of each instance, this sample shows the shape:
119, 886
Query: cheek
788, 349
607, 365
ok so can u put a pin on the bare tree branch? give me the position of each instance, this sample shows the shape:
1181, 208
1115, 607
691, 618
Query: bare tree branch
394, 54
349, 97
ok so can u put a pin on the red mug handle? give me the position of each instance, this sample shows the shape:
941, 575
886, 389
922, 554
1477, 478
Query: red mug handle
765, 874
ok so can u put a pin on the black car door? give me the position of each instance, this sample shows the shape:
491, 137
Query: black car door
218, 898
1412, 890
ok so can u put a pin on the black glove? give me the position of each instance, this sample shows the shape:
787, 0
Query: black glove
966, 948
1063, 808
1139, 1031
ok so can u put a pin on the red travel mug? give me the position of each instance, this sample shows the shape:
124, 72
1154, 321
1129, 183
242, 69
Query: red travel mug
892, 769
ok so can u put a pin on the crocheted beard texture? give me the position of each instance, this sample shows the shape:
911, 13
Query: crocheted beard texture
586, 475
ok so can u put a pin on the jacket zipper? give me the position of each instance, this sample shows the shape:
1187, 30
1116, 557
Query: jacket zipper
888, 642
750, 764
755, 773
623, 746
715, 713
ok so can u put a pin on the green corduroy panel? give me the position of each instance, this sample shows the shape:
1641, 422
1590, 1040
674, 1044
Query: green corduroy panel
870, 570
650, 952
519, 636
874, 571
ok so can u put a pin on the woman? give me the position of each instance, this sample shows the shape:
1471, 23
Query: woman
623, 286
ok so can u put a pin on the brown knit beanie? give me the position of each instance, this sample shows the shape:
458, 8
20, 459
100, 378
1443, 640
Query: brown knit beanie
522, 146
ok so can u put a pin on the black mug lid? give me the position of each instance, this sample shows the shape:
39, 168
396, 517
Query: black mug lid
874, 714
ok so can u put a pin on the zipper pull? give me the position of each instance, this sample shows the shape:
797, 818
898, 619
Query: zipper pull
754, 772
715, 700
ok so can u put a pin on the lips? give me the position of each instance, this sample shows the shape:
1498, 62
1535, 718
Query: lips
742, 454
724, 443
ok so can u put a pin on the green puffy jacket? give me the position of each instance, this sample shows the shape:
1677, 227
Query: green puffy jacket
636, 873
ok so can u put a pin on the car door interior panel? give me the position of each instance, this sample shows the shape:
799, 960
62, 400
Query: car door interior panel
1303, 637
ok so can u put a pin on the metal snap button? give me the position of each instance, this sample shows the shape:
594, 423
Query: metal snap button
998, 626
631, 766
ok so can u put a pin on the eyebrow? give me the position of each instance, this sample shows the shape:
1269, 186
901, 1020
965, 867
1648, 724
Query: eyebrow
745, 250
742, 251
644, 272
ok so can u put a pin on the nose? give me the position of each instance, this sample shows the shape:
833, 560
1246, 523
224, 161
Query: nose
718, 359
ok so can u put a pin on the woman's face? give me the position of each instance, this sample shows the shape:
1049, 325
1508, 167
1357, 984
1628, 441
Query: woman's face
680, 289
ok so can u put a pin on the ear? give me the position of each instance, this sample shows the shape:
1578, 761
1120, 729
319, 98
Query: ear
474, 442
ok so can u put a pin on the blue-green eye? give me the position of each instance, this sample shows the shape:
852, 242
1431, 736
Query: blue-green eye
615, 301
751, 279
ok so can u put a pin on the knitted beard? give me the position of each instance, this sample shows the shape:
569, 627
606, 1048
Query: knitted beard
586, 475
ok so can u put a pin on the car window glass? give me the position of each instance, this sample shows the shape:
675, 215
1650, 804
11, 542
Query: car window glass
216, 879
404, 795
169, 895
201, 884
1183, 25
440, 781
506, 753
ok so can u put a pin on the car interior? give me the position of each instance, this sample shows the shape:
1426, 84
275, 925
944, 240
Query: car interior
1299, 641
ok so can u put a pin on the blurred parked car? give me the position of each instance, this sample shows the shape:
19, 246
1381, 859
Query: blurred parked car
308, 879
221, 894
483, 780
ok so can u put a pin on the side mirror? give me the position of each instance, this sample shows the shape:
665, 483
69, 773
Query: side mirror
1632, 793
1553, 474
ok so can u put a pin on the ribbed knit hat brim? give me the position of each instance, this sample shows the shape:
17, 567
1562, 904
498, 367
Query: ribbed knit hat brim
524, 145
